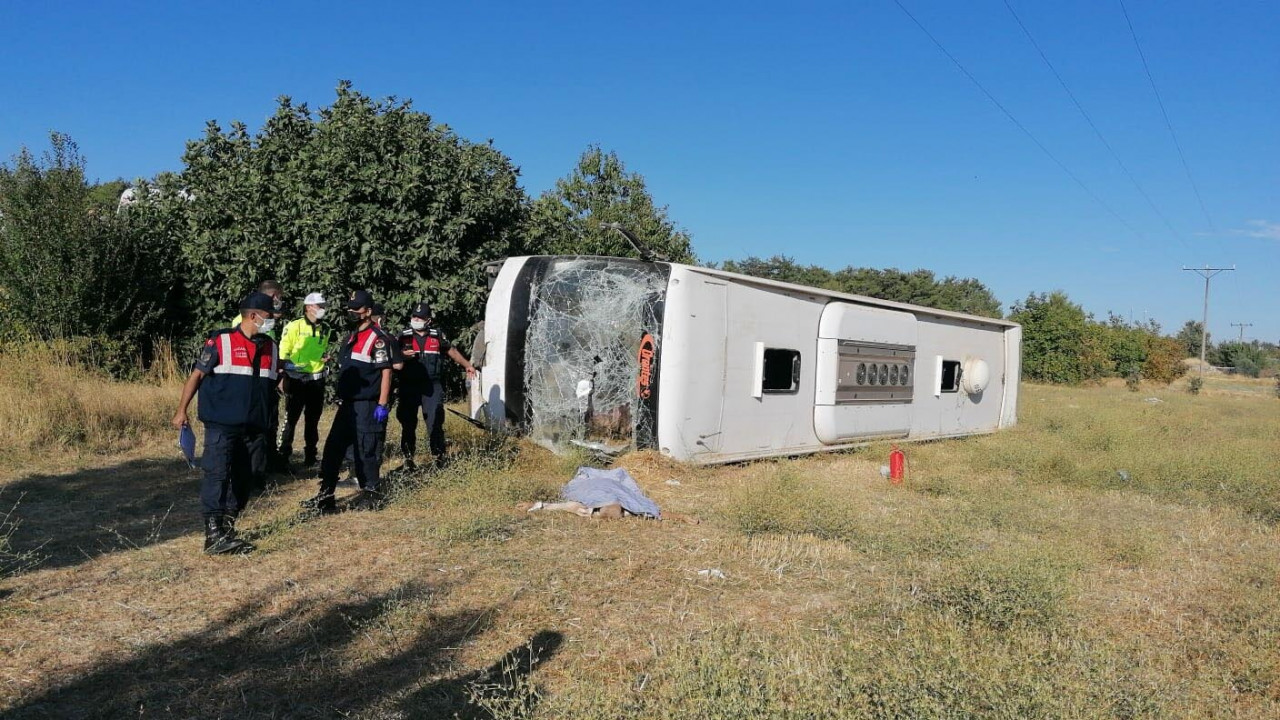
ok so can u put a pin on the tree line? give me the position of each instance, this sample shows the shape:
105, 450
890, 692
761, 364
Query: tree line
362, 193
1061, 343
375, 194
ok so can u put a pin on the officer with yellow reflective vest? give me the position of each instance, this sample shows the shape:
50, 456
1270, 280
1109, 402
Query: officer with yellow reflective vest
304, 348
271, 289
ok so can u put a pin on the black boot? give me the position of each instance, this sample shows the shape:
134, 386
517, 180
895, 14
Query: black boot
220, 539
367, 500
323, 502
229, 523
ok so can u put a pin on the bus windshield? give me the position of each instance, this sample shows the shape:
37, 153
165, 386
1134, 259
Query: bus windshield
591, 348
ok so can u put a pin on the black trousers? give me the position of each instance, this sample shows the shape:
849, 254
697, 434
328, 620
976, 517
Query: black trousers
228, 473
353, 426
305, 400
265, 456
429, 401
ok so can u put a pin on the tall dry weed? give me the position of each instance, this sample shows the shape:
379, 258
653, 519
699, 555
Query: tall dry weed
12, 560
48, 402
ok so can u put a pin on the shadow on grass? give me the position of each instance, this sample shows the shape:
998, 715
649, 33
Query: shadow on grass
70, 518
307, 663
76, 516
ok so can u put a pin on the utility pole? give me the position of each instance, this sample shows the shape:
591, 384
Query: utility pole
1242, 326
1206, 272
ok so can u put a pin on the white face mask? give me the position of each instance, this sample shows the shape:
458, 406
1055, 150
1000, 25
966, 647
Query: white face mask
267, 325
417, 324
319, 313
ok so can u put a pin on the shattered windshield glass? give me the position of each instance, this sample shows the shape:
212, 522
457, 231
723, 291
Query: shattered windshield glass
595, 330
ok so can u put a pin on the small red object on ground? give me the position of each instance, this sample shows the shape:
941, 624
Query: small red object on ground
897, 465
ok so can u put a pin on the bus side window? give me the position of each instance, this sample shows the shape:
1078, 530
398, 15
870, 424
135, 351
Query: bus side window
781, 371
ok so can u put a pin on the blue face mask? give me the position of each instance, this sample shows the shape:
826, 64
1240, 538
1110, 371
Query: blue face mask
418, 324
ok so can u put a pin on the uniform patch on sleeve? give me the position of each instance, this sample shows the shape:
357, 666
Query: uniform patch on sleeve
208, 355
208, 343
380, 355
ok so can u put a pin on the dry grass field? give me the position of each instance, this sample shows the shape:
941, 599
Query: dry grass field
1112, 556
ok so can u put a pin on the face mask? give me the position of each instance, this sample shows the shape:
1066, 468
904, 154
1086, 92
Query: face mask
417, 324
267, 325
319, 313
354, 319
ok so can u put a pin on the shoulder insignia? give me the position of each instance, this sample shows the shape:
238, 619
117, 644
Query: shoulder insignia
379, 343
208, 343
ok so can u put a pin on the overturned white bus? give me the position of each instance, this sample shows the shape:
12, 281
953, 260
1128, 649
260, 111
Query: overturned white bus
708, 366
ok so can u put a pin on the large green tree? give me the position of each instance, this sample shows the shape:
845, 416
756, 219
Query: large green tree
360, 194
1054, 332
1190, 337
573, 218
1248, 358
70, 265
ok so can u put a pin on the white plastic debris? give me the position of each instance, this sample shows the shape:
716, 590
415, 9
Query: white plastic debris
1153, 400
599, 447
673, 481
884, 470
712, 573
584, 388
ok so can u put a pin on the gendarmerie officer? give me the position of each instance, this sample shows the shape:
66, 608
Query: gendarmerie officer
364, 391
421, 389
235, 375
266, 457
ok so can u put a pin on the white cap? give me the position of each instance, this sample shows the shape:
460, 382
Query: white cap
313, 299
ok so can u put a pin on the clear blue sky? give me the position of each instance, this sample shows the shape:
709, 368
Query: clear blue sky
836, 133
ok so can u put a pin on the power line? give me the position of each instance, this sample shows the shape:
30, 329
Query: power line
1094, 127
1206, 272
1015, 121
1167, 123
1242, 326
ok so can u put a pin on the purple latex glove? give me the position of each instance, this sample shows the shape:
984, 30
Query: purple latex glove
381, 413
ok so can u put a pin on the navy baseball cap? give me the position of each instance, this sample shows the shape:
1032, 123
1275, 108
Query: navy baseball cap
423, 310
360, 299
258, 301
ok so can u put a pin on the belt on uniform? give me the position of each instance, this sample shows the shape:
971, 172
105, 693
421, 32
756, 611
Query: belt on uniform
307, 376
